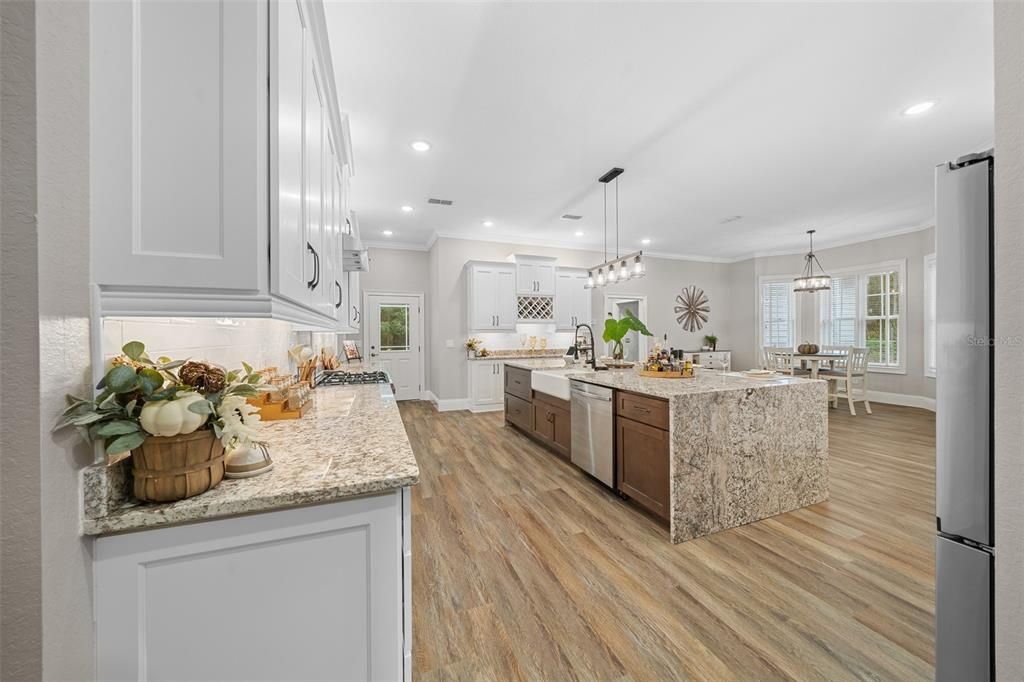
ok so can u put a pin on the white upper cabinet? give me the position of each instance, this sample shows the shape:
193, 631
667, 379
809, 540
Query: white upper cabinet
211, 193
572, 299
535, 276
491, 296
178, 103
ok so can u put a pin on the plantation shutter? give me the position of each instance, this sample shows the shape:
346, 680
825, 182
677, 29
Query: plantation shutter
777, 314
843, 318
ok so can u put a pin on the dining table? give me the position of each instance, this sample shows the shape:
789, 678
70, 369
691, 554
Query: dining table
813, 360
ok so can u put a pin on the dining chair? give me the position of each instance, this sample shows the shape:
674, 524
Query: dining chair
850, 382
781, 360
838, 364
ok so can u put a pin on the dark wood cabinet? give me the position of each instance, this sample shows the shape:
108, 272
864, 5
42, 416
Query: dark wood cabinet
551, 422
642, 472
641, 408
517, 382
518, 412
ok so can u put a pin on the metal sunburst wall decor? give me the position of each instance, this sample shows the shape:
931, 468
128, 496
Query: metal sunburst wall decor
692, 308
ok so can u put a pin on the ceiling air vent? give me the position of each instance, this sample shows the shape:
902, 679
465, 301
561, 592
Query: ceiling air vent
440, 202
570, 216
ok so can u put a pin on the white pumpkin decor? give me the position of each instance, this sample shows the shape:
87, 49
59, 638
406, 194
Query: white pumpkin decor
172, 417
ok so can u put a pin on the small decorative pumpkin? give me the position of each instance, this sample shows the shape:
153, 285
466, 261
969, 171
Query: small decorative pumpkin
172, 417
807, 348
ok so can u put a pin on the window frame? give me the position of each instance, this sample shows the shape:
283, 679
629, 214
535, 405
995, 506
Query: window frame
930, 315
862, 272
793, 306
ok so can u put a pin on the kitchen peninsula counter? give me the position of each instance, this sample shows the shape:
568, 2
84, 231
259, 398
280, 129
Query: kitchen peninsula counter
351, 443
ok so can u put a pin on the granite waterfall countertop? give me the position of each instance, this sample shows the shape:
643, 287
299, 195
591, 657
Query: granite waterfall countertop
352, 442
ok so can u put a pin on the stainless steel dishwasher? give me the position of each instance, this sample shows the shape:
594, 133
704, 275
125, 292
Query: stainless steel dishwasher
593, 430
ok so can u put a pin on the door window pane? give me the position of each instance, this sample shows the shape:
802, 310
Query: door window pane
394, 328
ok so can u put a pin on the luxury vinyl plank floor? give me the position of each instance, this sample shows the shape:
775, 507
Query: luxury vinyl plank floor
525, 569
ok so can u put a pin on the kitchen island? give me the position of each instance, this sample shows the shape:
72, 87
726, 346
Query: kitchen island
303, 572
738, 449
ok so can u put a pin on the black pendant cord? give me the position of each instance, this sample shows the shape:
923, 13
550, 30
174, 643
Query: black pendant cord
616, 219
606, 221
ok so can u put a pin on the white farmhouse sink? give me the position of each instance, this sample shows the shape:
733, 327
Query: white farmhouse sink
554, 382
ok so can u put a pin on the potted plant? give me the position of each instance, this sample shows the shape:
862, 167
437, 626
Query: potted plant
711, 341
616, 330
473, 346
176, 418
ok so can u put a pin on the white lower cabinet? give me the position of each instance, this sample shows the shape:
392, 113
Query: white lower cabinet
486, 385
320, 592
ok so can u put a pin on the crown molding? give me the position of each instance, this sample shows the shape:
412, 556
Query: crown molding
665, 255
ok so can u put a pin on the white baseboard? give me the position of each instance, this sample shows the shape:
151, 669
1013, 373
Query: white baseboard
901, 399
448, 404
478, 409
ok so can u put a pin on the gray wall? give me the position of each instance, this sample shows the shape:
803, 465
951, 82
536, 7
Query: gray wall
913, 247
1009, 322
45, 570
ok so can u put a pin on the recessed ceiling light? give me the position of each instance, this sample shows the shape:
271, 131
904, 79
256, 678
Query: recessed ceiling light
579, 233
387, 233
488, 223
420, 145
407, 209
645, 242
918, 108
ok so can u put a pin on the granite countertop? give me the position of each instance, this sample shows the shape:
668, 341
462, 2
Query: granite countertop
352, 442
518, 354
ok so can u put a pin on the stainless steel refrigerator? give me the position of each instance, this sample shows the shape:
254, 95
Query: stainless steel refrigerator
964, 544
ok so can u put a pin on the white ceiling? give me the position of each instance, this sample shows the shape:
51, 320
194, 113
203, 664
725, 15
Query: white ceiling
785, 114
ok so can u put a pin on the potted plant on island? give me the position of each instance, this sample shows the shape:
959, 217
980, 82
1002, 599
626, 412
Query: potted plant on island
176, 418
615, 331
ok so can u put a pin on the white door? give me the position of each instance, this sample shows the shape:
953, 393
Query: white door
565, 300
483, 314
393, 327
487, 381
545, 279
526, 278
581, 300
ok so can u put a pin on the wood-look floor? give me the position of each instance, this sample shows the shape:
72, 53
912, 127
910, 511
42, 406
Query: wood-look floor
525, 569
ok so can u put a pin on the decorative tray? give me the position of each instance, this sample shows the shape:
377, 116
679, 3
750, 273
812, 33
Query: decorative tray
682, 374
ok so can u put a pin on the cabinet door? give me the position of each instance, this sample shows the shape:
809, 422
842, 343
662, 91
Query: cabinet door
483, 297
290, 258
545, 276
486, 383
339, 565
581, 300
565, 300
643, 469
178, 102
355, 301
526, 278
505, 299
314, 182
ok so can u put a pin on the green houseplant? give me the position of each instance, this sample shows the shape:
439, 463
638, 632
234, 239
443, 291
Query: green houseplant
616, 330
172, 415
711, 341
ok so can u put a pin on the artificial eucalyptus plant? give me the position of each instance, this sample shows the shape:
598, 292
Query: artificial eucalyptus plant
616, 330
139, 397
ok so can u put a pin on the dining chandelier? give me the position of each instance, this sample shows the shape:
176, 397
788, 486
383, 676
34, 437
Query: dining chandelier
620, 268
808, 280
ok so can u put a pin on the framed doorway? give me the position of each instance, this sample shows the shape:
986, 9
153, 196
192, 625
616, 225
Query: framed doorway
616, 305
393, 339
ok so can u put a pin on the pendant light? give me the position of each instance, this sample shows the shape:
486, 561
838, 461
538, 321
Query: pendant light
808, 280
618, 268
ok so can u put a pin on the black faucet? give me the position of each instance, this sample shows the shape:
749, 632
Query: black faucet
576, 347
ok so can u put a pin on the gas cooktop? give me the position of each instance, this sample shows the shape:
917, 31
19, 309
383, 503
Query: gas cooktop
351, 378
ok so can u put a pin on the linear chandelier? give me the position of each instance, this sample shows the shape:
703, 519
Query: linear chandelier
808, 281
620, 268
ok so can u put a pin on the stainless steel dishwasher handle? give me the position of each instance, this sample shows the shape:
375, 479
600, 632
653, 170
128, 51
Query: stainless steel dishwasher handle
591, 396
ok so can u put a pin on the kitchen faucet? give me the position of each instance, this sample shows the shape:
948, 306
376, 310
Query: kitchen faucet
590, 348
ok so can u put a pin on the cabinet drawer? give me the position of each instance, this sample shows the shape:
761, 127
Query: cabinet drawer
517, 382
518, 412
643, 468
643, 409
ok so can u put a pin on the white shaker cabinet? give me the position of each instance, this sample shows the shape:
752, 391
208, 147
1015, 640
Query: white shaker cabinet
535, 276
320, 592
486, 385
178, 153
572, 299
491, 296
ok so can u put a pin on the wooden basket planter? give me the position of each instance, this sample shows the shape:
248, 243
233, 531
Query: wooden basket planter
174, 468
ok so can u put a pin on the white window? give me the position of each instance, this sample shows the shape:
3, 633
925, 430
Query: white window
865, 308
930, 328
776, 313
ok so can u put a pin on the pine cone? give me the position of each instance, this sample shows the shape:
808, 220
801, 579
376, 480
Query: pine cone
203, 377
125, 360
